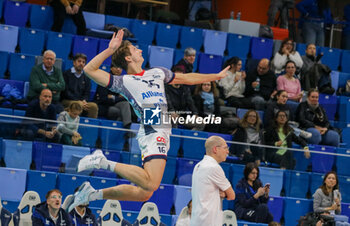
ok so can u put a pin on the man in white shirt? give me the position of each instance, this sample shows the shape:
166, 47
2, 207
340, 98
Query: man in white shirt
209, 185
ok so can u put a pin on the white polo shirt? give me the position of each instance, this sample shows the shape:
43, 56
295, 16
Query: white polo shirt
208, 179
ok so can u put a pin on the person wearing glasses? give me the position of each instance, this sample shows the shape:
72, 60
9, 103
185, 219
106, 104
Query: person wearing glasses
49, 212
284, 54
281, 135
210, 185
291, 85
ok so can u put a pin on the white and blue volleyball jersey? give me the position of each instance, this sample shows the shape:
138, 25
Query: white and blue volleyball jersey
144, 90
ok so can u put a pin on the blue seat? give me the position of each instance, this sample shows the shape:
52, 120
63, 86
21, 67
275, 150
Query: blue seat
47, 156
69, 26
331, 57
237, 173
41, 17
60, 43
345, 208
238, 45
301, 48
322, 163
8, 38
11, 206
296, 184
344, 107
161, 57
226, 137
112, 138
4, 60
31, 41
110, 155
135, 159
344, 63
164, 198
67, 153
209, 63
89, 134
316, 180
343, 163
67, 183
144, 48
94, 20
20, 66
118, 21
214, 42
344, 185
294, 209
144, 31
276, 46
17, 154
329, 103
335, 79
16, 13
302, 163
41, 182
275, 205
125, 157
194, 148
102, 46
261, 48
175, 142
184, 170
6, 111
226, 167
191, 37
274, 177
13, 183
166, 219
130, 216
182, 196
101, 183
86, 45
167, 35
68, 64
170, 171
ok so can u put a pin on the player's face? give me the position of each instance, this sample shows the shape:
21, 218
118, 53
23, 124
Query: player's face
55, 200
136, 54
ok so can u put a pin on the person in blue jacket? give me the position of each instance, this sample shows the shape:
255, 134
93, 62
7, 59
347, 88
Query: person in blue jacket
314, 15
50, 213
252, 197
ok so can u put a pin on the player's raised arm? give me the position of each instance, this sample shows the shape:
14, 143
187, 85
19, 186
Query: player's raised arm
92, 68
197, 78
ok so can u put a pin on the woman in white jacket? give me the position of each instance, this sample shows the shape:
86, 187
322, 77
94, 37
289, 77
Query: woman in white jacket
286, 53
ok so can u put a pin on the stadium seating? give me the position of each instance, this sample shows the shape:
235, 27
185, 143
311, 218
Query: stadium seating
112, 138
209, 63
296, 184
161, 57
182, 196
69, 26
148, 215
60, 43
8, 38
274, 177
275, 205
41, 17
47, 156
331, 57
294, 208
67, 154
15, 184
345, 59
111, 214
1, 7
144, 31
67, 183
167, 35
118, 21
194, 148
214, 42
329, 103
86, 45
237, 174
31, 41
103, 44
164, 198
20, 66
316, 181
191, 37
322, 163
17, 154
261, 48
238, 45
170, 171
89, 131
344, 185
41, 182
343, 163
16, 13
18, 85
25, 208
94, 20
229, 218
184, 170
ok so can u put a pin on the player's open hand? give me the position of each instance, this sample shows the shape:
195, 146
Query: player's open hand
224, 73
116, 40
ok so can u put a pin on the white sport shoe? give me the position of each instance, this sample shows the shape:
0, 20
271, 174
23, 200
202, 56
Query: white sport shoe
91, 161
81, 197
305, 134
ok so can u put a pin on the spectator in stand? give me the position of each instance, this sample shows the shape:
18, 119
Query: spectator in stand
309, 60
313, 118
286, 53
260, 85
50, 212
252, 197
291, 85
281, 135
250, 132
327, 198
186, 63
82, 215
314, 15
62, 8
78, 87
47, 76
69, 124
233, 85
180, 101
206, 99
186, 218
41, 108
346, 29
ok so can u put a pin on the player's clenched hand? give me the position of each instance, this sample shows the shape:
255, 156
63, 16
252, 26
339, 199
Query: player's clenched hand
116, 40
223, 73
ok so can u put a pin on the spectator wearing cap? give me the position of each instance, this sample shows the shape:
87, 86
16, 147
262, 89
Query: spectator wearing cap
187, 62
78, 87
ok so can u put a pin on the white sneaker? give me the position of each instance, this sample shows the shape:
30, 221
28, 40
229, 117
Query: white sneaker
305, 134
81, 197
91, 161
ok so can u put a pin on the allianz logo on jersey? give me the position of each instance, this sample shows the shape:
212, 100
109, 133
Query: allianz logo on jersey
154, 116
150, 94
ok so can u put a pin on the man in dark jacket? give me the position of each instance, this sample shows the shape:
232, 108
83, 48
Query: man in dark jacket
186, 63
78, 87
50, 213
260, 84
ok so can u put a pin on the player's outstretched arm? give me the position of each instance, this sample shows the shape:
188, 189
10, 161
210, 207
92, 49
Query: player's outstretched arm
197, 78
92, 68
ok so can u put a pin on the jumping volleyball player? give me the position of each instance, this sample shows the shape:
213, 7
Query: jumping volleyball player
153, 141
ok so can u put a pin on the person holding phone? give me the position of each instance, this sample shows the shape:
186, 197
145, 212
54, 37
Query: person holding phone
252, 197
